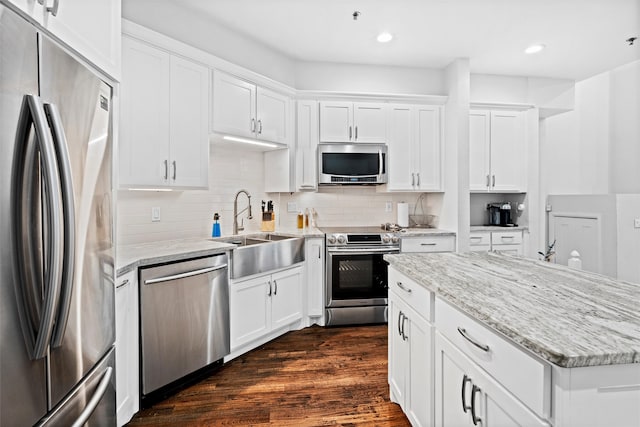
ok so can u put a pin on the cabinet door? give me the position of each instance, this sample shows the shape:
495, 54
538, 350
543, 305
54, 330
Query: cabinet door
272, 114
90, 27
479, 154
286, 297
234, 105
401, 161
306, 145
314, 258
370, 123
508, 146
336, 121
419, 400
144, 125
189, 139
249, 310
427, 142
127, 372
398, 351
452, 386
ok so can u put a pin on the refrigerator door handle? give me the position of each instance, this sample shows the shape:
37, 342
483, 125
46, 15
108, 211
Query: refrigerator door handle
32, 112
95, 399
68, 209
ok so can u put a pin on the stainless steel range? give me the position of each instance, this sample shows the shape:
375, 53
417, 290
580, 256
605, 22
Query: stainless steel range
357, 274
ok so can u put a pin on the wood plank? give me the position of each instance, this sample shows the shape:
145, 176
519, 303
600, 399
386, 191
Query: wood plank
312, 377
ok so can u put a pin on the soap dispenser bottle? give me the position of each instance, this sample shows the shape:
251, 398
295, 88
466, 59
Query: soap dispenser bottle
216, 226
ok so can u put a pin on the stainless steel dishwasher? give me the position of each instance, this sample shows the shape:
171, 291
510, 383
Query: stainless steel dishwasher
184, 323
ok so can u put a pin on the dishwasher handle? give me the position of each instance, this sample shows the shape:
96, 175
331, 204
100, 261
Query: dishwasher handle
184, 275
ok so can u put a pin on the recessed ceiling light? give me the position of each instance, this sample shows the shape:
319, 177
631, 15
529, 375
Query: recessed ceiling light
534, 48
384, 37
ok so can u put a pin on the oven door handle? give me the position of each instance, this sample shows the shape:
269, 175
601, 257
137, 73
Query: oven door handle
364, 251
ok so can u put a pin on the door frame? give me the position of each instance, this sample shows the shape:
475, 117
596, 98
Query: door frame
582, 215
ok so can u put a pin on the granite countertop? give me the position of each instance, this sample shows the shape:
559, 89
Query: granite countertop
497, 228
134, 256
568, 317
425, 232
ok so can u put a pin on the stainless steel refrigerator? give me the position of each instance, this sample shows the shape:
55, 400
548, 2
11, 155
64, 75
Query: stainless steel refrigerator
57, 328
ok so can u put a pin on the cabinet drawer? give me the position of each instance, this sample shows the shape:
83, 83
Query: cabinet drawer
527, 377
428, 244
506, 237
480, 238
416, 296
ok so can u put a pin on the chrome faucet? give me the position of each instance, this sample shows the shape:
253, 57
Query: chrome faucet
237, 228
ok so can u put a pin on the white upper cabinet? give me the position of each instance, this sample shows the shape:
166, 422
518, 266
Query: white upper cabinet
306, 145
497, 147
163, 126
415, 146
241, 108
90, 27
353, 122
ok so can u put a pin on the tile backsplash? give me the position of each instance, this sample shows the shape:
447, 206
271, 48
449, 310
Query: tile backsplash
189, 214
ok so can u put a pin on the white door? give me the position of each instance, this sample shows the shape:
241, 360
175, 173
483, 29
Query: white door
234, 105
428, 176
189, 149
250, 310
336, 121
286, 297
453, 388
401, 160
420, 397
370, 123
272, 113
479, 138
306, 145
314, 258
581, 233
144, 125
398, 351
127, 344
508, 147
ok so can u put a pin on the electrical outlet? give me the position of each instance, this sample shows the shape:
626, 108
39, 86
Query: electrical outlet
636, 223
155, 214
388, 207
292, 207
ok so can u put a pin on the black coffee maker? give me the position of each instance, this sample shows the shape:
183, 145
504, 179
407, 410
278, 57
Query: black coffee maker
499, 214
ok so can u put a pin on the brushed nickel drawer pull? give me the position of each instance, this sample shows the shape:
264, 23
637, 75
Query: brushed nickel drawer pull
463, 332
404, 288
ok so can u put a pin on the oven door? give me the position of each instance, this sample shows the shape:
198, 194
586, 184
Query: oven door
357, 277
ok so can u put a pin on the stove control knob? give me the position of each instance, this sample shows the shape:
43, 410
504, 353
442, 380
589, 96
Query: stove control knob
342, 239
395, 239
331, 239
386, 238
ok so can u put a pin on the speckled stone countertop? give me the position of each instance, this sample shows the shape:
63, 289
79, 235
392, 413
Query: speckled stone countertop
570, 318
425, 232
133, 256
497, 228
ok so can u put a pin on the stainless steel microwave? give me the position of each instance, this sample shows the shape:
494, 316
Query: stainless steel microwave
348, 164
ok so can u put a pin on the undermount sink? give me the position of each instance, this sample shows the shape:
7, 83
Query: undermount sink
263, 252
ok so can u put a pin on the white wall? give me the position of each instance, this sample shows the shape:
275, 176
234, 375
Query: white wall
368, 78
211, 37
628, 209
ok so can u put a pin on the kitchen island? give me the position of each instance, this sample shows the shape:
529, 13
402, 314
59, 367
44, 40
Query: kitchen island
558, 346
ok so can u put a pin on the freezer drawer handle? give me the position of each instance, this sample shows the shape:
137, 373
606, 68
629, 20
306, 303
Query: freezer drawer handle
33, 310
184, 275
95, 399
68, 208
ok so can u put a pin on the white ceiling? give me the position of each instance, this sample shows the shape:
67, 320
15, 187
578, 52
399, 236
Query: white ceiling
583, 37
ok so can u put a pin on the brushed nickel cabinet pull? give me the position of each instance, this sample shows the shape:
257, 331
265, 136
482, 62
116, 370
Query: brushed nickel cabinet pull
463, 332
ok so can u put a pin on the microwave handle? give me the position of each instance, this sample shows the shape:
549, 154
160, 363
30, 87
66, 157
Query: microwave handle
380, 160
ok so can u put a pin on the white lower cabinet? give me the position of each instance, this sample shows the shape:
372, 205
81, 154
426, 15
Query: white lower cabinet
467, 396
314, 274
510, 242
264, 304
410, 352
127, 368
428, 244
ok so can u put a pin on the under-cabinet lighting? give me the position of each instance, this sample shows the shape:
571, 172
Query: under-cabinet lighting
384, 37
534, 48
249, 141
149, 189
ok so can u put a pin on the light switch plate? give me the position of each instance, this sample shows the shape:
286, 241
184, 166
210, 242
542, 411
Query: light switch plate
292, 207
155, 214
388, 207
636, 223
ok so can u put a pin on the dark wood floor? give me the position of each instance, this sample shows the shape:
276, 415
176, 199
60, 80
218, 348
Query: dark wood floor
313, 377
